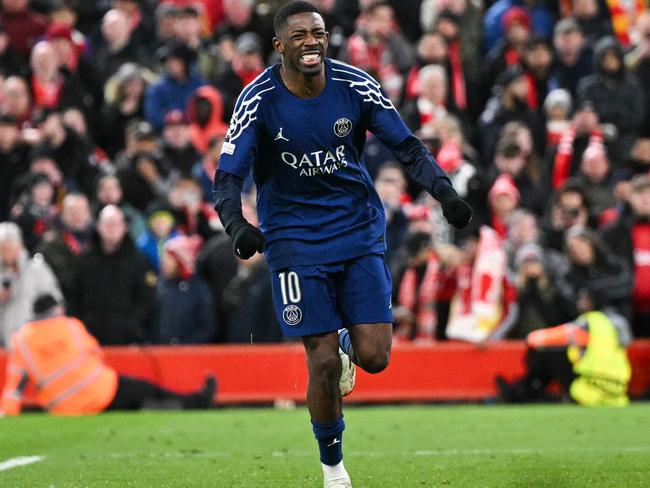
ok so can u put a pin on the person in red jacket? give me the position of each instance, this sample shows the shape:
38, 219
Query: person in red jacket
65, 363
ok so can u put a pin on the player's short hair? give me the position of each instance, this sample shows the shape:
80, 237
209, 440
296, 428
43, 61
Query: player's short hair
292, 8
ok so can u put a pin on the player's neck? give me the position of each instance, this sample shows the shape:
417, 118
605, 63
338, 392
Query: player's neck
301, 85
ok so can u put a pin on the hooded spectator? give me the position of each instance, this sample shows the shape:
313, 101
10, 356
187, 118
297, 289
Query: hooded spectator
176, 86
616, 94
205, 111
184, 312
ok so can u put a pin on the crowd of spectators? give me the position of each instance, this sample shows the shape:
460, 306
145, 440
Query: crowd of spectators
113, 112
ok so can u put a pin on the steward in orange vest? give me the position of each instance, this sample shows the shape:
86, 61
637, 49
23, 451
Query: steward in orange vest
65, 363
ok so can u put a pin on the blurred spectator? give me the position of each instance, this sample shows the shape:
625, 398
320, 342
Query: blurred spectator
246, 63
514, 156
638, 61
16, 99
572, 55
594, 176
118, 47
629, 238
594, 268
503, 199
390, 184
35, 211
184, 310
193, 215
109, 192
69, 152
60, 347
114, 287
584, 131
205, 169
510, 50
470, 16
449, 26
509, 103
377, 47
569, 208
124, 102
23, 25
616, 94
13, 161
22, 280
494, 25
139, 21
165, 16
593, 23
205, 111
425, 286
537, 61
143, 172
539, 302
431, 50
161, 226
52, 86
174, 89
522, 230
177, 145
9, 59
248, 302
431, 103
586, 356
241, 16
62, 246
557, 109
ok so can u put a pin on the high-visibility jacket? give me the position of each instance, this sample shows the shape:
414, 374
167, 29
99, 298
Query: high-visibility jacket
66, 365
603, 369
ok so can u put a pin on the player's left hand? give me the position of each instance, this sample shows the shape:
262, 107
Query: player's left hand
457, 212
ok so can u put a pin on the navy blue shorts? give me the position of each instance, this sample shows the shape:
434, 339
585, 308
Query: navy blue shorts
312, 300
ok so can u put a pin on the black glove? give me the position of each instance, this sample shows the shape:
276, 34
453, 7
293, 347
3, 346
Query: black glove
457, 212
246, 239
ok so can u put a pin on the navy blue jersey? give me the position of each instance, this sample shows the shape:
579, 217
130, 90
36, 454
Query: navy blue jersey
316, 201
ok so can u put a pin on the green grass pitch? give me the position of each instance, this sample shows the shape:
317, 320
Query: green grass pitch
398, 446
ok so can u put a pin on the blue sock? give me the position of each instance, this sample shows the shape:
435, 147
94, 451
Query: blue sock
330, 440
344, 341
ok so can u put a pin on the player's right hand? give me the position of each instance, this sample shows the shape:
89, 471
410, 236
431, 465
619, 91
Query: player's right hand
246, 240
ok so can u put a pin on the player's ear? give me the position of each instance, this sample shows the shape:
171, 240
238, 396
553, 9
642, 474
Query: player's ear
278, 45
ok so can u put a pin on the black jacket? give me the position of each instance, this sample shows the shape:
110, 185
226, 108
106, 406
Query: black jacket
114, 293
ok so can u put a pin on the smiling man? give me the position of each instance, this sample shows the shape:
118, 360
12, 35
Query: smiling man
301, 126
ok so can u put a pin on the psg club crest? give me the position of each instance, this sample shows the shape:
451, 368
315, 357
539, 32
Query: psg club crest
342, 127
292, 315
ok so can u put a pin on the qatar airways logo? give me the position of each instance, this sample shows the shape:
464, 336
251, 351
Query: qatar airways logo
324, 162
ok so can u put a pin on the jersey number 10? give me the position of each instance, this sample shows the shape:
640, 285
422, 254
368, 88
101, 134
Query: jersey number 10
289, 282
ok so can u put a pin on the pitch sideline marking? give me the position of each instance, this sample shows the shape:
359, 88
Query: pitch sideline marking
19, 461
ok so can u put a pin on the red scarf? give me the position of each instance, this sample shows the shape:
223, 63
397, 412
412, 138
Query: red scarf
533, 96
420, 299
457, 76
47, 95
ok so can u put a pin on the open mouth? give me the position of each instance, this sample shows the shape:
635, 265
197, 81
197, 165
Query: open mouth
311, 58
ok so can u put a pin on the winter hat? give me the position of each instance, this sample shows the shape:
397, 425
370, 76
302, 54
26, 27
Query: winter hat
504, 185
529, 252
556, 97
184, 250
515, 15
